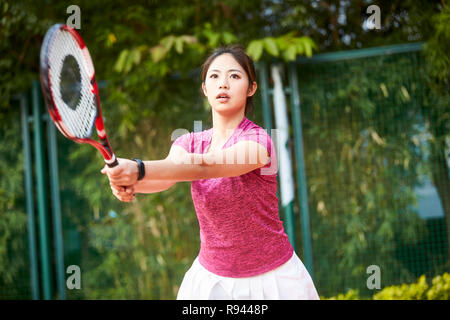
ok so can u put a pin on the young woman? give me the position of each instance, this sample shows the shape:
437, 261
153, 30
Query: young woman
244, 253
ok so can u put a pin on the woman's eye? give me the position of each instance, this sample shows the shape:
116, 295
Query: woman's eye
213, 76
235, 76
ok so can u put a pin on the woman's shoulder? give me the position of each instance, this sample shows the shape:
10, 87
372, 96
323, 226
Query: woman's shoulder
189, 135
191, 141
252, 131
251, 127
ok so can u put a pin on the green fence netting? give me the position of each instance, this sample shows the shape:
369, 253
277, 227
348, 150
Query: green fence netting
371, 190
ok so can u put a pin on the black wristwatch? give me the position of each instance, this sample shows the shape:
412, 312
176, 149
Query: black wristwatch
141, 168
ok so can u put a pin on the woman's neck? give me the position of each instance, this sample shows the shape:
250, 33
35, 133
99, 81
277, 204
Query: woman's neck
223, 127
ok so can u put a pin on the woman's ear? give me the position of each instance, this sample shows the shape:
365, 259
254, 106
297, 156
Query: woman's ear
204, 89
252, 89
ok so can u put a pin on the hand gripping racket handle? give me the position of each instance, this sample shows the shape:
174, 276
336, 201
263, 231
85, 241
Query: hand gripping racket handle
112, 164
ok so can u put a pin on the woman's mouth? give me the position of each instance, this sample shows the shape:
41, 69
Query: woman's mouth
223, 97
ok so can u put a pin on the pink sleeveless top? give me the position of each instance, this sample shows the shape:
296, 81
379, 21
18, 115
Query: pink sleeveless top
241, 233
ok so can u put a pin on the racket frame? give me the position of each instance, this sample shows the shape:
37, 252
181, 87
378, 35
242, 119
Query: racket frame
103, 146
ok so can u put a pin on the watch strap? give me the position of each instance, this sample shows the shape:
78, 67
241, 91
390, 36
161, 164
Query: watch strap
141, 168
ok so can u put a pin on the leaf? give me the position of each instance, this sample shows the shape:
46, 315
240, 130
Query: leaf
214, 39
228, 37
255, 49
179, 45
309, 45
119, 66
157, 53
308, 48
271, 46
290, 53
283, 42
300, 47
377, 138
189, 39
136, 56
167, 42
111, 39
128, 63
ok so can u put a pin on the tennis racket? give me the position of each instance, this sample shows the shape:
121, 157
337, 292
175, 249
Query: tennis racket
70, 90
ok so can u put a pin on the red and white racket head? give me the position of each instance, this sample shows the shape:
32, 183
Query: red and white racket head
70, 89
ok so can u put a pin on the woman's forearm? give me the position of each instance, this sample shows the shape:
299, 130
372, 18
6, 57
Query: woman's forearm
152, 186
190, 167
231, 162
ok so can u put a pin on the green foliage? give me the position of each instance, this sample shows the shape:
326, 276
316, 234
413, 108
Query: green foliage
420, 290
438, 47
19, 28
288, 46
13, 219
349, 295
413, 291
440, 288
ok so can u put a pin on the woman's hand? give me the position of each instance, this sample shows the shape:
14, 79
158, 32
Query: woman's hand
124, 174
125, 194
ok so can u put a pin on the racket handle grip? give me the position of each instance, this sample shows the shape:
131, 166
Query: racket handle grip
112, 164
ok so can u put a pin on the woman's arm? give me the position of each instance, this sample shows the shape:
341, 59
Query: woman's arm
152, 186
236, 160
180, 165
126, 194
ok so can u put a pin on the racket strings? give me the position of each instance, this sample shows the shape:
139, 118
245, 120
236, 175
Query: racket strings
80, 113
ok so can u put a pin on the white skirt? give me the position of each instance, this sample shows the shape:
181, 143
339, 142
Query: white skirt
290, 281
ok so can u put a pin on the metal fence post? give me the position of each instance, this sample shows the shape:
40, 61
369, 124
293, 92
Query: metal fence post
267, 113
263, 79
29, 196
300, 164
56, 208
41, 193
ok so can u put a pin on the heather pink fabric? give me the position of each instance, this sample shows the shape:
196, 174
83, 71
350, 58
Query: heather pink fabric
240, 230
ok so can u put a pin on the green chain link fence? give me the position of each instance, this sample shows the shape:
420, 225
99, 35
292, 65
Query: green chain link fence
372, 195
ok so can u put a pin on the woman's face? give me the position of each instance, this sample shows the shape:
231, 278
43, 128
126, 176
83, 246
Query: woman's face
226, 85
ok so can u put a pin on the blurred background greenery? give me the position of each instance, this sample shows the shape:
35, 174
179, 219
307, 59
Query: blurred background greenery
375, 132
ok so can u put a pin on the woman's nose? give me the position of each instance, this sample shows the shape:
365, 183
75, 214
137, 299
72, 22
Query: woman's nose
223, 83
